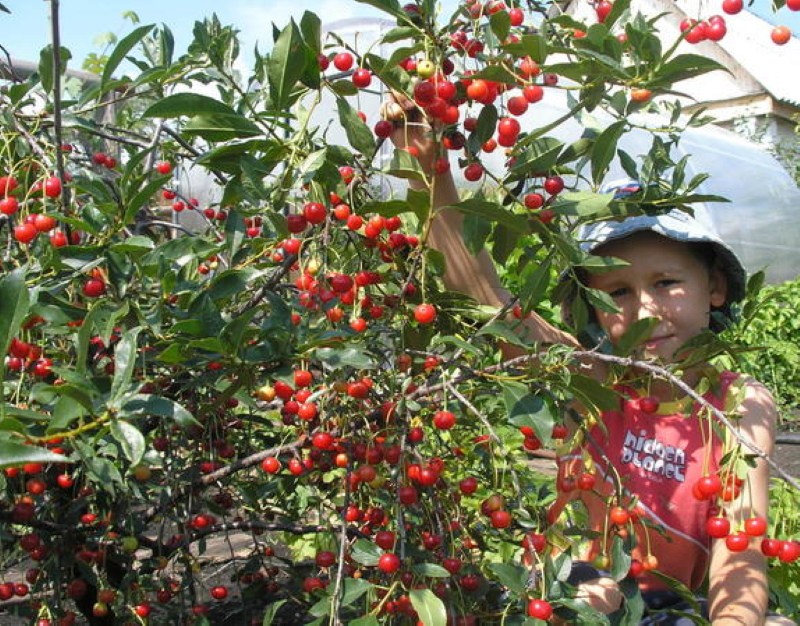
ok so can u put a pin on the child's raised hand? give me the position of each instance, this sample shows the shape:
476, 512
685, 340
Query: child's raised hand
413, 130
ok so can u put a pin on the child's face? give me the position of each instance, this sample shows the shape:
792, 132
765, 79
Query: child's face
664, 280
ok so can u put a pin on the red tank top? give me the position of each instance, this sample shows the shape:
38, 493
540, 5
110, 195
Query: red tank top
659, 457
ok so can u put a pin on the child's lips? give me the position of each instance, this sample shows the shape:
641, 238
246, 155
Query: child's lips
654, 342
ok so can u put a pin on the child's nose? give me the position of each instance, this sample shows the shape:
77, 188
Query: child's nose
645, 306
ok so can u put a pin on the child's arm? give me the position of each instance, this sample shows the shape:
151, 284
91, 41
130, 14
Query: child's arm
738, 580
473, 275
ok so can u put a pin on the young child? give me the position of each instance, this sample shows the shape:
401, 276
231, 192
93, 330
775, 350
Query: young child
656, 449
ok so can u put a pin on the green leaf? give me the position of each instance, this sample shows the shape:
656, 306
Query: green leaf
222, 127
493, 212
285, 65
231, 282
350, 356
358, 133
682, 67
430, 570
592, 392
535, 280
534, 46
142, 196
605, 147
366, 553
429, 607
46, 73
125, 354
187, 104
500, 23
636, 333
514, 577
271, 612
146, 404
527, 409
15, 454
367, 620
130, 439
354, 588
100, 320
123, 48
620, 559
484, 130
136, 245
403, 165
14, 304
617, 9
505, 331
584, 204
392, 7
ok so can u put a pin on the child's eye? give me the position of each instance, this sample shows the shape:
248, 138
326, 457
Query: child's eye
618, 293
666, 282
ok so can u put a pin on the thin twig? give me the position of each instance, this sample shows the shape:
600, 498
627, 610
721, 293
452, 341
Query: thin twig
494, 436
57, 129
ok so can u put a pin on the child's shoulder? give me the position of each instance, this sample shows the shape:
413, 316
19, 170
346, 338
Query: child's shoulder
750, 402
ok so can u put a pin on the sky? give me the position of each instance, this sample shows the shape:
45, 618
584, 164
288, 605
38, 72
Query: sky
83, 22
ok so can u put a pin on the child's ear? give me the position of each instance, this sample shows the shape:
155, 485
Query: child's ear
718, 286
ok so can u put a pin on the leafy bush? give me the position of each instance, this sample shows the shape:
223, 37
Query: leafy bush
773, 335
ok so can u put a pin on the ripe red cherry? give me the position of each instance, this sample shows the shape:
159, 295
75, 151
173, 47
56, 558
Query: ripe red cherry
302, 378
501, 519
25, 233
508, 127
602, 9
389, 563
383, 128
315, 212
554, 185
473, 172
219, 592
362, 77
619, 516
793, 5
44, 223
65, 481
737, 542
94, 288
9, 205
164, 167
271, 465
790, 551
444, 420
732, 7
771, 547
343, 61
7, 185
540, 609
648, 404
52, 187
586, 481
425, 313
468, 485
780, 35
407, 495
325, 558
755, 526
718, 527
534, 201
142, 610
709, 486
385, 539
